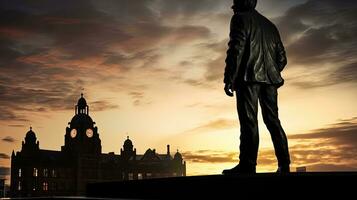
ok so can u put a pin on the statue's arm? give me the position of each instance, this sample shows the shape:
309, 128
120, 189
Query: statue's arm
236, 46
281, 54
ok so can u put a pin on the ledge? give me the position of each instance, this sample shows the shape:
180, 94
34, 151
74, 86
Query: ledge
228, 187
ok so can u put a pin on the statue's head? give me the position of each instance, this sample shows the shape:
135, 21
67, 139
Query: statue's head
244, 5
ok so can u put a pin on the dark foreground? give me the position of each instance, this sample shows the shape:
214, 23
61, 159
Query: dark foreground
302, 185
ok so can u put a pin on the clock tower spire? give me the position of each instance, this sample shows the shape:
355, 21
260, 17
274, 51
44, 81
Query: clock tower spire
82, 135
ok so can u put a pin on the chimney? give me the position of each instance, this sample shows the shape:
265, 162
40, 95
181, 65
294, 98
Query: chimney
168, 149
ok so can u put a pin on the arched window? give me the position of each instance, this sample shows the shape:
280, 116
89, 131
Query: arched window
140, 176
45, 186
19, 186
148, 175
34, 186
45, 172
35, 172
53, 173
20, 173
54, 186
131, 176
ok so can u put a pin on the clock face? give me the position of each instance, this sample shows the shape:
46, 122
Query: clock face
73, 133
89, 133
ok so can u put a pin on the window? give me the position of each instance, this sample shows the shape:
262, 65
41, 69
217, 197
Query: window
60, 186
131, 176
53, 186
19, 186
45, 186
148, 175
140, 176
34, 186
35, 172
53, 173
20, 172
45, 172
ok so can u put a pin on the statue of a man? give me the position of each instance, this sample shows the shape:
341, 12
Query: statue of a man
255, 59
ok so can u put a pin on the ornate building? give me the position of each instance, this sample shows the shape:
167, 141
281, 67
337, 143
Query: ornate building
38, 172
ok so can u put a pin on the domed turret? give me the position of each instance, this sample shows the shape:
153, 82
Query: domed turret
128, 151
128, 145
82, 103
82, 107
178, 156
82, 134
30, 145
81, 119
30, 137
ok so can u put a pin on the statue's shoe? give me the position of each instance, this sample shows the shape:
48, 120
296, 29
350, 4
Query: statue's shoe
240, 169
284, 169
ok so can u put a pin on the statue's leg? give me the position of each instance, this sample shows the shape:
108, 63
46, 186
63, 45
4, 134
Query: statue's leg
247, 105
268, 99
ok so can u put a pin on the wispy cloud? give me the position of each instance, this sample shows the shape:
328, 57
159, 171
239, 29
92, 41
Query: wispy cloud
215, 125
102, 105
4, 156
209, 156
16, 125
343, 132
333, 148
8, 139
320, 38
4, 171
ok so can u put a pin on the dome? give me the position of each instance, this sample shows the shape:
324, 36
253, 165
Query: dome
81, 121
128, 143
178, 156
30, 136
82, 103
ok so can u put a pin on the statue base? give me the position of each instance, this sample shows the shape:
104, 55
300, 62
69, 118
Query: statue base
300, 185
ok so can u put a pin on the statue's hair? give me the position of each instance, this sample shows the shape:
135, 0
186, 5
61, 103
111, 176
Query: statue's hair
244, 4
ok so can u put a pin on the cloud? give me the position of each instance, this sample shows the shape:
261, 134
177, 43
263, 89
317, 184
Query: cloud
319, 39
8, 139
215, 66
18, 97
320, 36
4, 156
102, 105
215, 125
4, 171
137, 97
333, 148
341, 133
187, 9
16, 125
208, 156
47, 50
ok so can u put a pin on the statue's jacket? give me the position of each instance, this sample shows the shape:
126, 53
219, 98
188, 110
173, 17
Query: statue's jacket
255, 53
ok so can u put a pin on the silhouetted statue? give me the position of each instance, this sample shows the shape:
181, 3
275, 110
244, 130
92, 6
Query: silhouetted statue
255, 58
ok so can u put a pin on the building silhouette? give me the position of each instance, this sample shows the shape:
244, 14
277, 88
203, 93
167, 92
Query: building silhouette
39, 172
2, 188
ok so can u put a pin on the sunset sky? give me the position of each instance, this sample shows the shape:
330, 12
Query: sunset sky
153, 70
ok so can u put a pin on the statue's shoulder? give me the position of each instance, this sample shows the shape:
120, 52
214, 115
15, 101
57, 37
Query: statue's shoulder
244, 16
241, 18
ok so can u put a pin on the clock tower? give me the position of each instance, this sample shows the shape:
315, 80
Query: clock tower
82, 135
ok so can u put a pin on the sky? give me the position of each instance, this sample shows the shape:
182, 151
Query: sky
153, 70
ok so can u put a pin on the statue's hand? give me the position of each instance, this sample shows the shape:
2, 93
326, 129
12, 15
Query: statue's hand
229, 90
